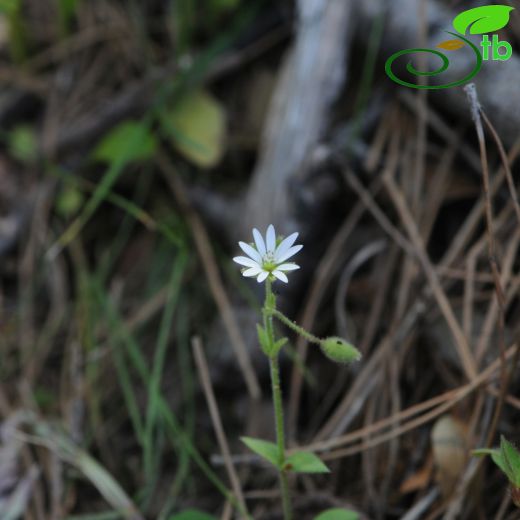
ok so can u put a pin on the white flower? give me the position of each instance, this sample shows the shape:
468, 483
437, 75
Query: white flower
268, 257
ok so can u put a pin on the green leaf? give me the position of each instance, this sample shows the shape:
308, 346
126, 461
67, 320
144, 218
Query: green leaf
23, 144
267, 450
67, 8
481, 20
196, 126
10, 6
511, 457
263, 340
305, 462
66, 11
69, 201
337, 514
128, 142
192, 514
496, 456
278, 345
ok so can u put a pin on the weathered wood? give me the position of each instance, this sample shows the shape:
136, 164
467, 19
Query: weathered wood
313, 73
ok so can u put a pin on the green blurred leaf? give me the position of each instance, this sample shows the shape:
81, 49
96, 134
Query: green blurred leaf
69, 201
67, 8
23, 143
481, 20
305, 462
66, 13
10, 6
267, 450
511, 457
196, 126
225, 5
497, 458
263, 340
128, 142
192, 514
337, 514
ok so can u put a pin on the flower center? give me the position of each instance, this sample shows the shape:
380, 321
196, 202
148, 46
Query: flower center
268, 263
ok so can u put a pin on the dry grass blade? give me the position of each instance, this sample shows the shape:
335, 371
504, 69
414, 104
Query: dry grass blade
202, 367
475, 107
439, 405
13, 507
46, 435
461, 342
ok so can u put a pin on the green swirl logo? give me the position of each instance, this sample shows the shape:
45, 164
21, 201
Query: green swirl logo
480, 20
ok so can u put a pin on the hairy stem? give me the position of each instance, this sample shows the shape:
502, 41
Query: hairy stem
269, 310
294, 326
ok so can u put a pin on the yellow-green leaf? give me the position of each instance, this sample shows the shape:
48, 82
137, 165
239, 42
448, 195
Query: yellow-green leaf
129, 141
197, 127
23, 143
69, 201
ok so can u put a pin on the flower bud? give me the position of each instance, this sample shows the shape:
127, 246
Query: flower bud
338, 350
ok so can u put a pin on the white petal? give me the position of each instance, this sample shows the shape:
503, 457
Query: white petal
270, 238
290, 252
250, 251
287, 267
245, 261
262, 276
253, 271
259, 241
281, 276
285, 244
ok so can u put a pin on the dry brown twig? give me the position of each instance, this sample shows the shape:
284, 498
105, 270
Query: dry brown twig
476, 111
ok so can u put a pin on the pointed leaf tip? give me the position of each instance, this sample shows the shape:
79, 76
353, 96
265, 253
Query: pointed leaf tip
265, 449
305, 462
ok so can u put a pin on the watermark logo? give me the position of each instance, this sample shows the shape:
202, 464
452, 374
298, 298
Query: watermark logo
480, 20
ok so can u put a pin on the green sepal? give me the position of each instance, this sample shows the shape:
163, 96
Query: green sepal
305, 462
265, 449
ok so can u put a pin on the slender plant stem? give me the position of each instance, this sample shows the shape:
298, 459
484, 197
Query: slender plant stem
269, 310
280, 434
294, 326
